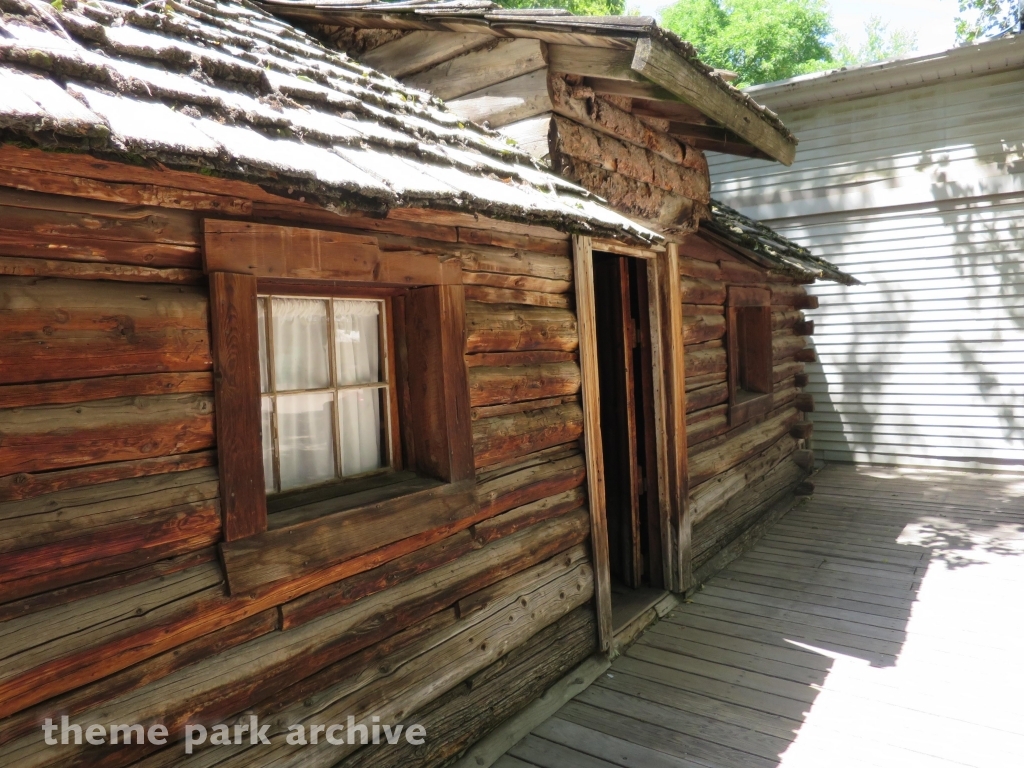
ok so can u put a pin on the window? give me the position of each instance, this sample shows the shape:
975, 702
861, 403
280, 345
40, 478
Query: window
749, 339
326, 389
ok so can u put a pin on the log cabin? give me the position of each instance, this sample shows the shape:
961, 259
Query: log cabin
299, 396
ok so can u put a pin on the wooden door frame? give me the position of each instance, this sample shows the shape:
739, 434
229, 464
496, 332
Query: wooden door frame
666, 315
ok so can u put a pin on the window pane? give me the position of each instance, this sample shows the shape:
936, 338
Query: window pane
305, 439
300, 344
261, 313
359, 414
267, 432
357, 335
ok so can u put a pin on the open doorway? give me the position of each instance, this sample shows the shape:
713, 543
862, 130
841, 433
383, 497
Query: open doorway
626, 378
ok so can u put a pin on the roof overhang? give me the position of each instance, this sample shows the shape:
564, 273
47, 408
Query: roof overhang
619, 56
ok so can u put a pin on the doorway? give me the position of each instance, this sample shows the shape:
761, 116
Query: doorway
626, 379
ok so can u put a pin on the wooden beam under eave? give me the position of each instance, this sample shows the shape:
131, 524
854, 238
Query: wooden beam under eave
665, 67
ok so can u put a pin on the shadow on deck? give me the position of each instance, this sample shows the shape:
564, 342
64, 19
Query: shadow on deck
880, 623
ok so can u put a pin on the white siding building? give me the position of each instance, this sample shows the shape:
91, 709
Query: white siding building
909, 175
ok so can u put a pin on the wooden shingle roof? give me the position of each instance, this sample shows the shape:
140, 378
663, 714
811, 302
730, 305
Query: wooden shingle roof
223, 87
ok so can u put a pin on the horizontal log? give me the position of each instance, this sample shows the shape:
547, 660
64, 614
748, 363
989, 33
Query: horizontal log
512, 327
503, 437
505, 409
489, 295
699, 399
804, 402
742, 273
68, 515
705, 424
108, 387
67, 585
514, 282
703, 380
784, 347
421, 49
288, 553
787, 294
699, 269
26, 486
801, 380
535, 477
804, 328
550, 243
703, 328
712, 494
802, 430
704, 361
538, 357
786, 318
18, 266
58, 436
508, 523
703, 465
54, 329
488, 386
703, 291
506, 261
786, 369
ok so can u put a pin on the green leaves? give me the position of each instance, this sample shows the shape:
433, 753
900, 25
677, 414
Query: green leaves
986, 17
578, 7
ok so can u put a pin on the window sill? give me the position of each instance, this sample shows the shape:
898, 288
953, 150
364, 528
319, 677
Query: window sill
330, 531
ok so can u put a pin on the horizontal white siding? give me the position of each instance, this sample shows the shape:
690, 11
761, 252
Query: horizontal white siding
920, 194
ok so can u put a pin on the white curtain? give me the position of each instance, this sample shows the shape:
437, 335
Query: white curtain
300, 344
305, 439
357, 339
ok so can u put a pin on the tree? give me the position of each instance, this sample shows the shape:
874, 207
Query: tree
986, 17
759, 40
881, 45
577, 7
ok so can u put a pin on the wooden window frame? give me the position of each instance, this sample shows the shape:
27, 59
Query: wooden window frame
245, 259
746, 347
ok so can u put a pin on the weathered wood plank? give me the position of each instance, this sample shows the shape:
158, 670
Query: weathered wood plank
421, 49
81, 390
511, 327
506, 102
489, 386
502, 437
500, 60
489, 295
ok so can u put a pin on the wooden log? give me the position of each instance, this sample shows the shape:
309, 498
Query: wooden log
786, 369
806, 488
700, 269
805, 402
534, 478
81, 390
707, 397
500, 60
516, 282
786, 346
705, 424
508, 523
531, 134
741, 273
421, 49
26, 486
501, 359
707, 463
806, 302
703, 328
489, 386
506, 261
136, 677
515, 435
704, 380
703, 291
58, 436
712, 494
511, 327
786, 318
301, 548
505, 409
93, 510
66, 329
705, 361
15, 266
94, 579
506, 102
800, 380
489, 295
802, 430
807, 355
804, 458
804, 328
474, 708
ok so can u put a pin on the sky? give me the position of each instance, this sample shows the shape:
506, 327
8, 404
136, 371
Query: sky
932, 20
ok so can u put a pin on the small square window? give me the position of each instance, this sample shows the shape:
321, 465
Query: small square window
325, 387
749, 339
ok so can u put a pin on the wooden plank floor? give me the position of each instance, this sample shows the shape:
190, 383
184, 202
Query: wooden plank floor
880, 623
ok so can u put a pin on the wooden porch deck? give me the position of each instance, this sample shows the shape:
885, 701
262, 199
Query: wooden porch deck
880, 623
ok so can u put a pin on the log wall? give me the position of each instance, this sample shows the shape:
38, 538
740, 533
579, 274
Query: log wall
737, 471
114, 606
